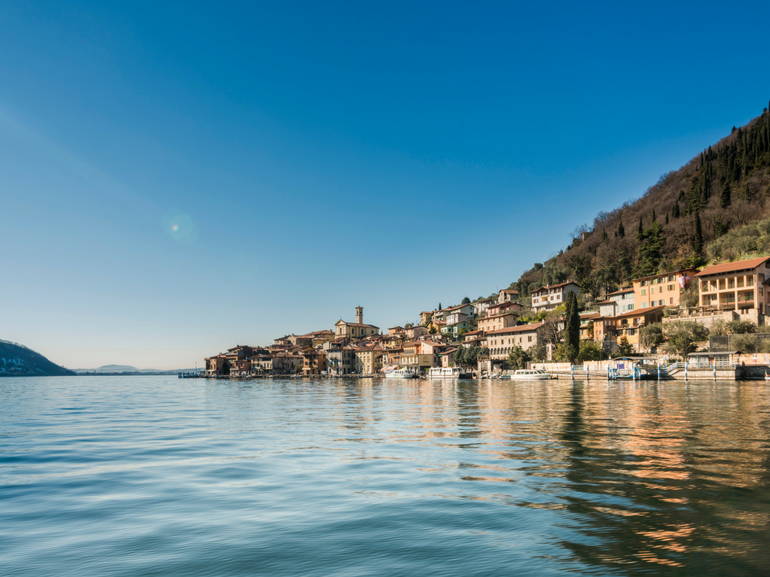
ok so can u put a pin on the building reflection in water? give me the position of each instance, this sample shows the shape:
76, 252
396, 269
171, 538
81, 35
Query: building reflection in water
630, 477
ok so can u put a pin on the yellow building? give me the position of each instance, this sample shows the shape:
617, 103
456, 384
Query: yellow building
368, 359
736, 286
630, 324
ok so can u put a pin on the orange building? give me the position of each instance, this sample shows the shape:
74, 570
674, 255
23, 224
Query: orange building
661, 289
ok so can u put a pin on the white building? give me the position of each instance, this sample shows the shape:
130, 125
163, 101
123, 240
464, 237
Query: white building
548, 298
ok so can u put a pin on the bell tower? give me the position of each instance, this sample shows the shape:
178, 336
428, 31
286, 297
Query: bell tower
360, 315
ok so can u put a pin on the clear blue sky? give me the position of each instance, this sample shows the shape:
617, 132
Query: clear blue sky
180, 178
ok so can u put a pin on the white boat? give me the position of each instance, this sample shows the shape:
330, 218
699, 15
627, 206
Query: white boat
448, 373
530, 375
400, 374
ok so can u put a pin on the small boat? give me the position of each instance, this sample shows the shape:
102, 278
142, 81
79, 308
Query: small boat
400, 374
530, 375
448, 373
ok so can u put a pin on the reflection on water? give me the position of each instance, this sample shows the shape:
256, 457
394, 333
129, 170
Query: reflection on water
152, 475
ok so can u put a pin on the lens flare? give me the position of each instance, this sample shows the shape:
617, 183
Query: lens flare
180, 226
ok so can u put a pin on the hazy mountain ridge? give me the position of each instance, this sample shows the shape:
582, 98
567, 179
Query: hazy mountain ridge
129, 370
19, 361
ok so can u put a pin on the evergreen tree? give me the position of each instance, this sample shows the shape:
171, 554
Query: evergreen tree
604, 235
641, 226
466, 301
725, 198
439, 306
624, 347
624, 266
650, 250
572, 323
621, 232
675, 210
697, 239
666, 218
653, 215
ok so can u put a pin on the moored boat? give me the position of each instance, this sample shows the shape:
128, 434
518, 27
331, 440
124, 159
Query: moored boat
530, 375
400, 374
448, 373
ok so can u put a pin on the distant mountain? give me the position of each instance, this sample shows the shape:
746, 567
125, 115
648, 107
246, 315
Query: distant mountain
19, 361
129, 370
110, 369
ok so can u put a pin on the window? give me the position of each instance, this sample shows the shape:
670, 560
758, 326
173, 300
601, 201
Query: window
670, 278
643, 283
731, 283
644, 292
721, 284
671, 301
660, 289
644, 305
670, 287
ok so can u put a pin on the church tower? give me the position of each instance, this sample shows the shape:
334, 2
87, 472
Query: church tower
360, 315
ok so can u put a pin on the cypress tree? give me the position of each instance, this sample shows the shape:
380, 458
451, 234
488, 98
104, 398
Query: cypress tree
666, 218
604, 235
641, 226
675, 210
572, 325
621, 232
697, 239
725, 198
653, 215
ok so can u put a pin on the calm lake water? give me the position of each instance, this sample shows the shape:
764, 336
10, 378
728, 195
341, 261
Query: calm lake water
162, 476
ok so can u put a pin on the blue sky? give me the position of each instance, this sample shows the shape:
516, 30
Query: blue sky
180, 178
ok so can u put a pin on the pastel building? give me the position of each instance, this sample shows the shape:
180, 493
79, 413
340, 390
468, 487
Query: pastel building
662, 289
549, 297
740, 287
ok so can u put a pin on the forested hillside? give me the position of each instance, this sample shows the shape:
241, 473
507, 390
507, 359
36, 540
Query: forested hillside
676, 222
19, 361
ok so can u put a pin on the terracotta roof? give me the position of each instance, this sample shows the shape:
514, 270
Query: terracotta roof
590, 316
665, 274
623, 290
499, 315
639, 312
510, 291
517, 329
356, 324
504, 304
733, 266
553, 286
607, 302
469, 333
457, 307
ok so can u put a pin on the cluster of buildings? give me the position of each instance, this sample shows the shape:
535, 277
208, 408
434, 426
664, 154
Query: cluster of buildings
352, 348
728, 291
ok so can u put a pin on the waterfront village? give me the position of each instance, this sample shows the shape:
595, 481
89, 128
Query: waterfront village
710, 317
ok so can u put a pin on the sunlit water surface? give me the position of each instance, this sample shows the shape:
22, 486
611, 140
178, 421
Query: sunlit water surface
162, 476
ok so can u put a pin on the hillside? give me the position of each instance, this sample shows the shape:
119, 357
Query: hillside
674, 223
19, 361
